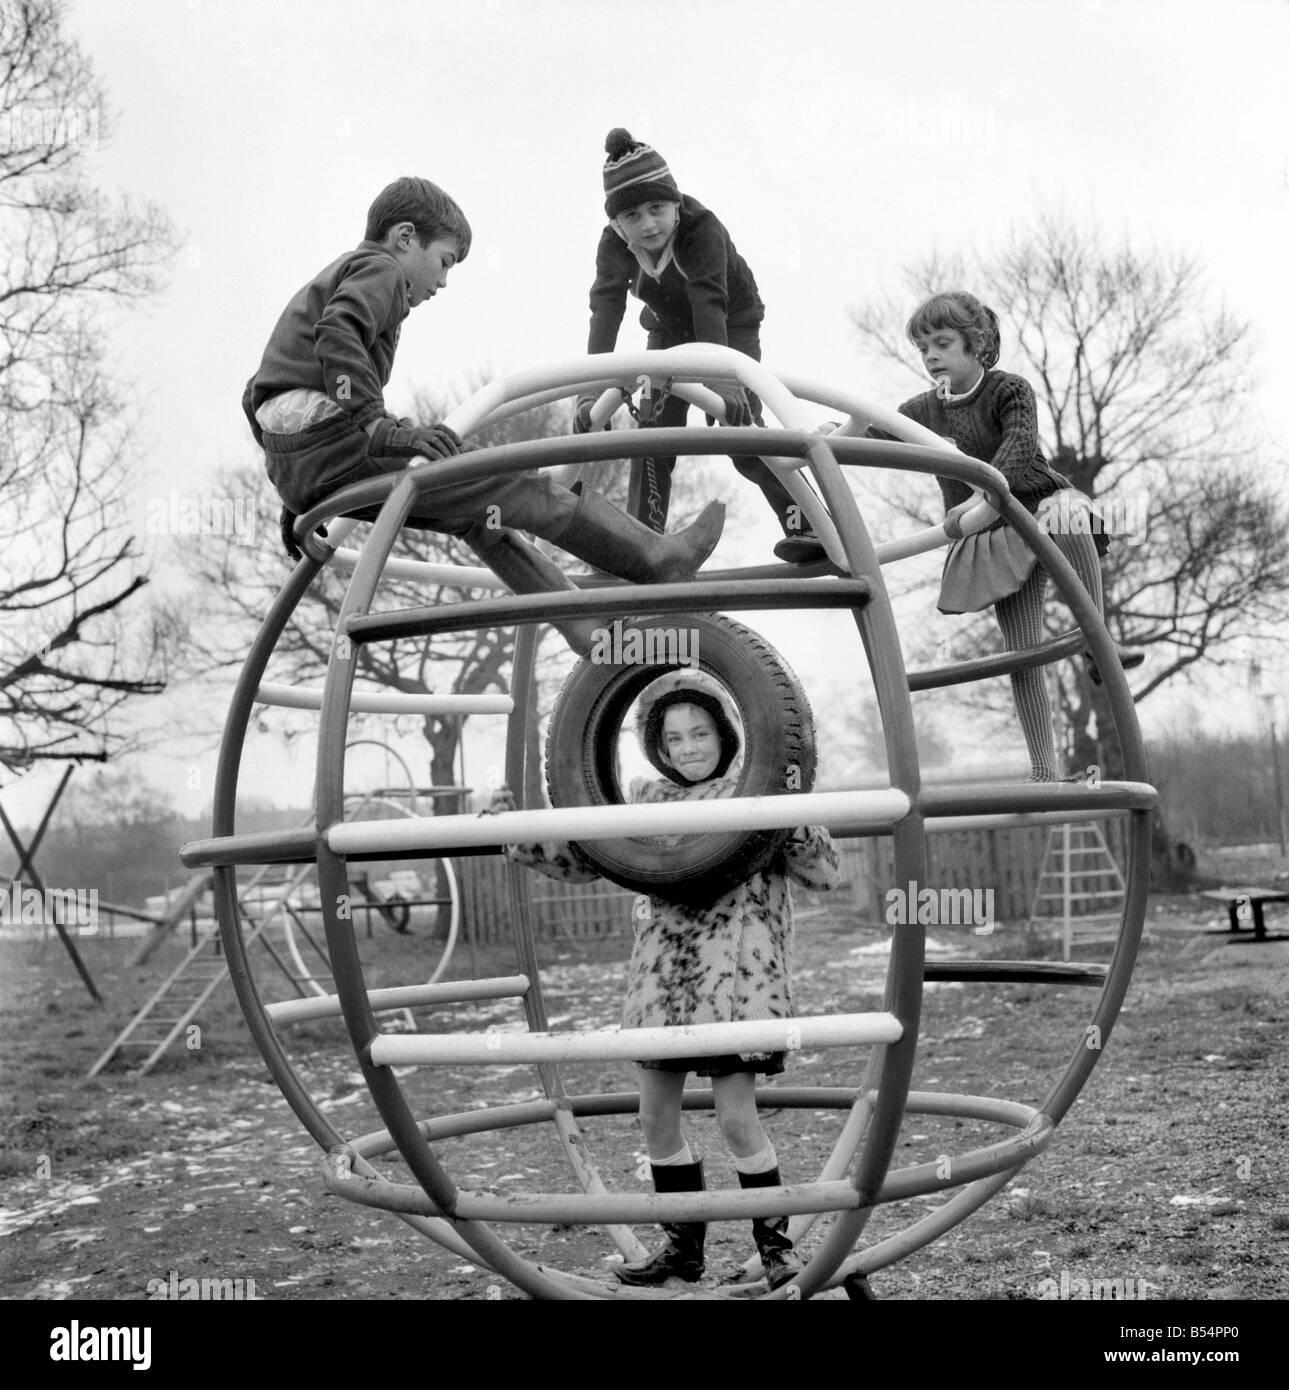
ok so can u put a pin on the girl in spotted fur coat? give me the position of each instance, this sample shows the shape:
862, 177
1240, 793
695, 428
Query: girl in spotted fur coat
722, 961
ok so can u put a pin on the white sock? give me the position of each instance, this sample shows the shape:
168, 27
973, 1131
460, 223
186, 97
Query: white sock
682, 1155
760, 1162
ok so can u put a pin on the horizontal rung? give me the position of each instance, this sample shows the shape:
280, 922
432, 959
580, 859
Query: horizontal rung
258, 847
1015, 820
1012, 972
403, 997
363, 702
455, 576
970, 803
1077, 897
603, 604
877, 811
640, 1044
1087, 917
628, 1208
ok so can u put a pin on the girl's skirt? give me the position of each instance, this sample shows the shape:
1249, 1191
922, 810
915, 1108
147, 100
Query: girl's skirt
987, 565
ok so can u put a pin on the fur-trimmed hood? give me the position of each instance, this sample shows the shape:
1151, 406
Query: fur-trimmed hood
696, 688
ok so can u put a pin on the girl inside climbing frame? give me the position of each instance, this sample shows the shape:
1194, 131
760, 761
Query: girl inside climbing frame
727, 959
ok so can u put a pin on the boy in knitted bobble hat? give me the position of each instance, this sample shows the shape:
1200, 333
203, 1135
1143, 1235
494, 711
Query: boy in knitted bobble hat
675, 255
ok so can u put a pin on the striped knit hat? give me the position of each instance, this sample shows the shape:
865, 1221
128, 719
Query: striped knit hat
634, 173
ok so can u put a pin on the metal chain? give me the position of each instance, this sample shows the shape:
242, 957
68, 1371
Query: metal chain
650, 405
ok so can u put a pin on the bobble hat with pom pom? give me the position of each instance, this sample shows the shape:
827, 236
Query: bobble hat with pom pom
634, 173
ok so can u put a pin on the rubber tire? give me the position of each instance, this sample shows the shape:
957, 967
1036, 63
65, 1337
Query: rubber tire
779, 753
397, 914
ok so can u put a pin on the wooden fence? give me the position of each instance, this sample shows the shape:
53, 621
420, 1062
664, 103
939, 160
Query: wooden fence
1004, 861
574, 910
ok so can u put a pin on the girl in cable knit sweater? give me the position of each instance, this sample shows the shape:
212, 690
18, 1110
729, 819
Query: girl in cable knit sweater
992, 416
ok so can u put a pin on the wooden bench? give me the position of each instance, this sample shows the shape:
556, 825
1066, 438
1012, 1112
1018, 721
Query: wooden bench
1242, 901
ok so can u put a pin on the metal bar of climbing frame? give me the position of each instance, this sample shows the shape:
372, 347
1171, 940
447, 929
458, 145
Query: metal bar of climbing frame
368, 702
878, 811
689, 596
634, 1044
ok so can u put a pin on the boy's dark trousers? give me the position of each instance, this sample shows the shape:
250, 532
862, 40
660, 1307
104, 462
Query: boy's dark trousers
311, 465
491, 511
649, 492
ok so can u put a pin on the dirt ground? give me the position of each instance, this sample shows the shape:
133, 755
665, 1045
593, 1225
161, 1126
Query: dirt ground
1168, 1173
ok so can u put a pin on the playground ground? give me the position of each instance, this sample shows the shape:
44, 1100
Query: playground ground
1167, 1175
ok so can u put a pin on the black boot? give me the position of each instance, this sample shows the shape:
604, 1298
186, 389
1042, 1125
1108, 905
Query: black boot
800, 545
800, 548
611, 541
682, 1256
649, 491
528, 571
1129, 657
778, 1259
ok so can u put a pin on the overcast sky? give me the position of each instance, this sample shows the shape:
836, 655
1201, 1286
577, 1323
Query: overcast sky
836, 139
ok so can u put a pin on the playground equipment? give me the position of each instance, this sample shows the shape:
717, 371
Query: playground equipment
856, 1178
26, 865
273, 903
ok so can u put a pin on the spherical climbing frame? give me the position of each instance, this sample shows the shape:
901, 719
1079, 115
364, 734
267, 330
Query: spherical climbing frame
856, 1177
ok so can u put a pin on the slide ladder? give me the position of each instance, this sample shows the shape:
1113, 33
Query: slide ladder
1079, 885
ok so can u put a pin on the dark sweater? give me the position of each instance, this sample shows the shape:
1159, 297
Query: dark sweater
998, 424
338, 335
706, 286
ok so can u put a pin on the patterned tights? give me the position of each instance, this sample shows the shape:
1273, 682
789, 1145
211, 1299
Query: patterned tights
1020, 616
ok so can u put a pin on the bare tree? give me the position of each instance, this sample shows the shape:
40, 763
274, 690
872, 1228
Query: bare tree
237, 584
68, 659
1142, 383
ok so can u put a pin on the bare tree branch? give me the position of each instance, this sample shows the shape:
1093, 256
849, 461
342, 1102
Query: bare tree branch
69, 570
1139, 378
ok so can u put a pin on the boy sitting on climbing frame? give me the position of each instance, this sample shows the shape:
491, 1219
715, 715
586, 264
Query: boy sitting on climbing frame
316, 405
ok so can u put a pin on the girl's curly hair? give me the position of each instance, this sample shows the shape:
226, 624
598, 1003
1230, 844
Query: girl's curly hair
957, 309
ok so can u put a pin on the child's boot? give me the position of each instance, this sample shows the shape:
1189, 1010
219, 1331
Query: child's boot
1129, 657
682, 1256
778, 1259
800, 548
608, 539
649, 491
528, 571
800, 545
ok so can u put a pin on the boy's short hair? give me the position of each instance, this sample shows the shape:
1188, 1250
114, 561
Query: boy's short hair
957, 309
426, 206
